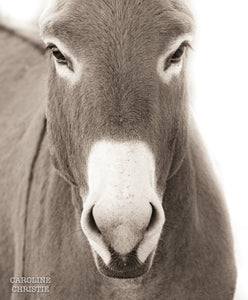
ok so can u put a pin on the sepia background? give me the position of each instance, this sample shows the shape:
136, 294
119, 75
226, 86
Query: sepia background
219, 99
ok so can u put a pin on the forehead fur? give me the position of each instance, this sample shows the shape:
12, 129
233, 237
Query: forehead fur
60, 19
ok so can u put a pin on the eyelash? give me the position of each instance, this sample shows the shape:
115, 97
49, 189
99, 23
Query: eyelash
59, 56
177, 56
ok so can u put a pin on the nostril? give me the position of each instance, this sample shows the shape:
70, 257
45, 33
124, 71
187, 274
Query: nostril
152, 219
92, 223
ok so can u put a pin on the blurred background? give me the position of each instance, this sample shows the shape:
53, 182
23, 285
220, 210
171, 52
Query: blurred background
219, 99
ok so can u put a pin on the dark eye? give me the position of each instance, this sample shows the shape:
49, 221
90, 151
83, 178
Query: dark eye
177, 56
57, 54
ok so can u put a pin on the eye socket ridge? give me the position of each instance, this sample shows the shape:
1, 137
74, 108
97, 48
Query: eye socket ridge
176, 57
59, 56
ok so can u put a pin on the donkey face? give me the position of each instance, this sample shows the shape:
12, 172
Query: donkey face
117, 118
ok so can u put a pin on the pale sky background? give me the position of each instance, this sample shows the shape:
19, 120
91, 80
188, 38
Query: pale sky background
221, 107
220, 101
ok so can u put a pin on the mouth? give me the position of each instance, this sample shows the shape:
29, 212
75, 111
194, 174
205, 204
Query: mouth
123, 267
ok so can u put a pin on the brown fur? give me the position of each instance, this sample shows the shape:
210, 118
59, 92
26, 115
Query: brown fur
40, 210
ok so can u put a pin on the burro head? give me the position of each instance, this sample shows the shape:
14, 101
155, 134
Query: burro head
117, 118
